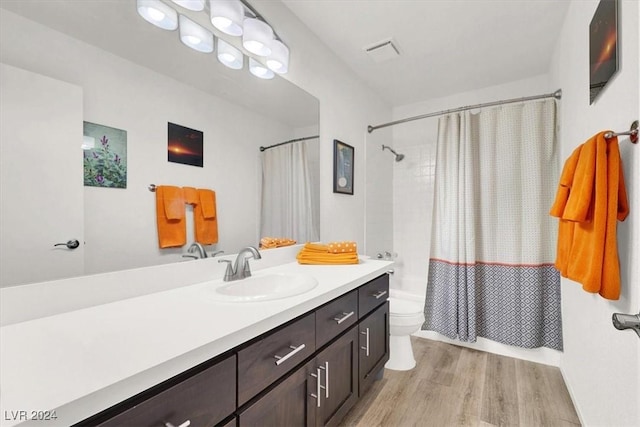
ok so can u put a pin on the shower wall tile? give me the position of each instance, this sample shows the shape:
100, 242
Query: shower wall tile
413, 181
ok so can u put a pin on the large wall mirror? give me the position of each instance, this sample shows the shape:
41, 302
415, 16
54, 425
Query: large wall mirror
69, 62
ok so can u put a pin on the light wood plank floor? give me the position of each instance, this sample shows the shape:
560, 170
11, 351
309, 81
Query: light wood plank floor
458, 386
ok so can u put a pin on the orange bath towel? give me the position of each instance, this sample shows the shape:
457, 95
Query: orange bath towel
170, 217
318, 254
591, 198
206, 217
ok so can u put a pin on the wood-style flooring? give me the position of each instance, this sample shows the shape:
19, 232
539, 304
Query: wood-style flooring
458, 386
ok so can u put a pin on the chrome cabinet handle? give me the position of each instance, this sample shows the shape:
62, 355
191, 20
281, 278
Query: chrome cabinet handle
325, 368
344, 317
184, 424
71, 244
282, 359
367, 345
318, 387
379, 294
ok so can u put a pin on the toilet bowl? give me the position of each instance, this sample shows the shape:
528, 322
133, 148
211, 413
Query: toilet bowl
405, 318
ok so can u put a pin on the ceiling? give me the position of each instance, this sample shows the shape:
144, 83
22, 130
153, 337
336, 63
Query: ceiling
446, 46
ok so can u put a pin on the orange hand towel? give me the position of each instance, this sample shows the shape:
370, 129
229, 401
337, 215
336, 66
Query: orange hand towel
206, 218
190, 195
170, 212
342, 247
208, 203
591, 199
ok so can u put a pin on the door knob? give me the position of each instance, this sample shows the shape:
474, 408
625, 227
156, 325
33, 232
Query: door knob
71, 244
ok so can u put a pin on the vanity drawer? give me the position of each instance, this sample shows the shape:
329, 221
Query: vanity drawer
336, 317
372, 294
204, 399
266, 360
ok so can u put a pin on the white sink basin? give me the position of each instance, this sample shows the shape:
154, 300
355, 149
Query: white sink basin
265, 287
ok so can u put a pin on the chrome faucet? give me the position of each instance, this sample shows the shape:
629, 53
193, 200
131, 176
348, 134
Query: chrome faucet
197, 247
241, 268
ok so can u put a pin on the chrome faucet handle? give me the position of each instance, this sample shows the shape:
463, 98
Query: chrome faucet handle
189, 256
197, 247
213, 254
228, 273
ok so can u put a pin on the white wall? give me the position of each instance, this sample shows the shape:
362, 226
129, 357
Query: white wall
120, 223
601, 365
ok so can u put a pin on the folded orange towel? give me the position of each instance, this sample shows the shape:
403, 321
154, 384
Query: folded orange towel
318, 254
208, 203
275, 242
342, 247
205, 217
170, 217
591, 198
190, 195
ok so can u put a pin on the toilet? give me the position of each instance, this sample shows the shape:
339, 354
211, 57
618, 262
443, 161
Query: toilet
405, 318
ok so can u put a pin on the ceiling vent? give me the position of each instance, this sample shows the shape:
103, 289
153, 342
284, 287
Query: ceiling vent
383, 51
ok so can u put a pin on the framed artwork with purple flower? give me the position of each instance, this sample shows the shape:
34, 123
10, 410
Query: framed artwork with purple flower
105, 156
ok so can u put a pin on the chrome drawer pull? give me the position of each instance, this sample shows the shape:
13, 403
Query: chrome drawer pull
344, 317
318, 387
281, 359
367, 346
184, 424
379, 294
325, 368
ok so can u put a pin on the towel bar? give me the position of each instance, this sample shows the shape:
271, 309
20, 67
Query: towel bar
632, 132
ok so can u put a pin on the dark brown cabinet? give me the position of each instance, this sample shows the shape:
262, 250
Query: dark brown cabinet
374, 345
290, 403
338, 369
273, 355
204, 399
308, 372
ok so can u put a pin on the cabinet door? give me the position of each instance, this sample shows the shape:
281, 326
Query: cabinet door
338, 368
374, 345
290, 403
202, 400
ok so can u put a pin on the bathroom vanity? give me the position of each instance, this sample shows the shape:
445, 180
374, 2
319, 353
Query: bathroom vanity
301, 360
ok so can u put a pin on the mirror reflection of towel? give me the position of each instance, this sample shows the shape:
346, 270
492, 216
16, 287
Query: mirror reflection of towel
170, 216
205, 217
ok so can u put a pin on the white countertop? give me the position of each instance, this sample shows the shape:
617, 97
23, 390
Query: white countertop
81, 362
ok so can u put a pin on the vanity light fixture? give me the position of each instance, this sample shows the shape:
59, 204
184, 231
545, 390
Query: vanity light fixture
196, 5
230, 17
278, 61
195, 36
257, 36
227, 16
158, 14
259, 70
229, 55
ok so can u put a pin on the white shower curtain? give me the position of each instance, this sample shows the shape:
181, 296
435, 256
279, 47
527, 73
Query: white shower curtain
287, 202
491, 268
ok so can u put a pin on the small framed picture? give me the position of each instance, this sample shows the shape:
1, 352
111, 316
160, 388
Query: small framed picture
184, 145
603, 47
343, 156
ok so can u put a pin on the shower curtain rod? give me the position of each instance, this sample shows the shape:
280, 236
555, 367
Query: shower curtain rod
289, 142
557, 95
